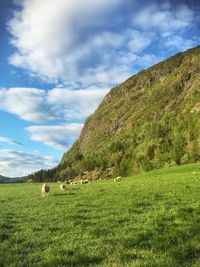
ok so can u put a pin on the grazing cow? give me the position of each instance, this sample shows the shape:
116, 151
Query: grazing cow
118, 179
45, 189
62, 187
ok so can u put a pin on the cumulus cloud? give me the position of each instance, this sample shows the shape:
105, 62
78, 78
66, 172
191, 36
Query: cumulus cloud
10, 141
58, 104
83, 41
27, 103
165, 17
55, 42
59, 136
79, 42
178, 42
138, 41
18, 163
75, 104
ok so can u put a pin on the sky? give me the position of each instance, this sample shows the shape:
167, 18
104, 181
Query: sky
58, 60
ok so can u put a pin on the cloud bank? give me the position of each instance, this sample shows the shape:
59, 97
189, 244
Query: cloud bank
59, 136
10, 141
17, 163
64, 108
94, 42
58, 104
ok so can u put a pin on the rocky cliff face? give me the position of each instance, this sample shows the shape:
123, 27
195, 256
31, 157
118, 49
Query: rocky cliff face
149, 121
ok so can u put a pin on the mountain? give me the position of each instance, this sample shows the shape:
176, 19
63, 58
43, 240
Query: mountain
4, 179
150, 121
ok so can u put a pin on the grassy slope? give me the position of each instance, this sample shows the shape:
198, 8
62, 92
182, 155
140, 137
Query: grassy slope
152, 219
144, 123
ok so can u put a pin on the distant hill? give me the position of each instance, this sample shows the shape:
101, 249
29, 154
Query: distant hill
4, 179
150, 121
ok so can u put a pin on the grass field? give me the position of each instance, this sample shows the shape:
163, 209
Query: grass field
152, 219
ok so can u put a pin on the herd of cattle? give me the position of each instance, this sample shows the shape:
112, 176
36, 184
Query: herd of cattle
46, 187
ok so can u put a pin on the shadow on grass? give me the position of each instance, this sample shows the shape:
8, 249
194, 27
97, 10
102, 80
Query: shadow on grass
80, 217
3, 237
74, 260
6, 226
63, 194
85, 260
75, 188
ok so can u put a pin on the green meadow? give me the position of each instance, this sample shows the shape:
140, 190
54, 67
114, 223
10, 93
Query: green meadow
148, 220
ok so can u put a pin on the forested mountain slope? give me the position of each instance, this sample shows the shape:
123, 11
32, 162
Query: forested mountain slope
148, 122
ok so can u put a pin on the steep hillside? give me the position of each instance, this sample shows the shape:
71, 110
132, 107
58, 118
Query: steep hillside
149, 121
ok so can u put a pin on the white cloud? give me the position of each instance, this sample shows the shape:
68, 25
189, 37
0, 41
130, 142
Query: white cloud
74, 41
164, 18
179, 42
138, 41
10, 141
53, 41
75, 104
59, 136
18, 163
58, 104
82, 41
27, 103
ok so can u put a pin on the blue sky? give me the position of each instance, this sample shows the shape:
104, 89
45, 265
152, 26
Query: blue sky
58, 59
